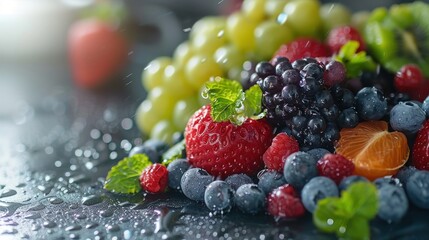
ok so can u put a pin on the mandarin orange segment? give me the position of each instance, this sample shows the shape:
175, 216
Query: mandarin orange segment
374, 151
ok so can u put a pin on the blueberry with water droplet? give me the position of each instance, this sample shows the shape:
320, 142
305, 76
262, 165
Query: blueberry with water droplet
317, 188
370, 103
417, 188
250, 198
300, 167
347, 181
407, 117
392, 203
269, 180
219, 196
176, 169
194, 182
236, 180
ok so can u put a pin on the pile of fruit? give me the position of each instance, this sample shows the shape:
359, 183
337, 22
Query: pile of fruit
326, 115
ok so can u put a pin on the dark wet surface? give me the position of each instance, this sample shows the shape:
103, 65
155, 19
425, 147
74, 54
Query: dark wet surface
58, 142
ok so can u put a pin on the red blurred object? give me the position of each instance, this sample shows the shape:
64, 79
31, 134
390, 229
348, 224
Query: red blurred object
97, 52
341, 35
301, 48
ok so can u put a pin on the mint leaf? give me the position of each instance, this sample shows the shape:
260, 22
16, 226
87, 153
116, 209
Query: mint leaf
173, 153
348, 216
230, 103
355, 62
124, 177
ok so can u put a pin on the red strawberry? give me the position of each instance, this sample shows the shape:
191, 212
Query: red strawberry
97, 51
409, 78
223, 149
335, 167
282, 146
341, 35
421, 148
154, 179
284, 202
301, 48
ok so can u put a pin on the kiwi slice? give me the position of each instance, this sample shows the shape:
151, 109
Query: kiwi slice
400, 36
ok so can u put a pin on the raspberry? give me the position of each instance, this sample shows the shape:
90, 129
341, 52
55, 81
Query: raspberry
341, 35
301, 48
284, 202
282, 146
335, 167
408, 79
154, 178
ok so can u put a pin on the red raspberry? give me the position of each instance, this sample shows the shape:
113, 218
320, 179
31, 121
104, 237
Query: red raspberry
341, 35
421, 92
154, 179
408, 79
335, 167
301, 48
284, 202
421, 148
282, 146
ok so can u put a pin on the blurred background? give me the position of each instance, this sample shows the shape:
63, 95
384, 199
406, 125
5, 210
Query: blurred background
34, 58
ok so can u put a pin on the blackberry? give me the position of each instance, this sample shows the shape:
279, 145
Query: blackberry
296, 98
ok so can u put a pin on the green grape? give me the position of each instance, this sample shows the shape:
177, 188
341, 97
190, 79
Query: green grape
269, 36
229, 57
239, 29
334, 15
207, 44
210, 26
274, 7
183, 110
303, 16
162, 101
200, 68
146, 116
164, 131
175, 83
254, 9
182, 53
152, 73
359, 20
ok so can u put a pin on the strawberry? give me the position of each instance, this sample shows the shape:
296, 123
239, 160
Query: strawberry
302, 48
339, 36
421, 148
282, 146
97, 51
222, 148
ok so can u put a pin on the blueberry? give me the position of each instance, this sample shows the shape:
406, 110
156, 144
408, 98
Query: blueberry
236, 180
347, 100
392, 203
316, 189
347, 181
291, 76
312, 70
383, 181
405, 173
417, 188
299, 64
425, 106
299, 168
160, 146
219, 196
370, 103
318, 153
324, 99
176, 169
149, 151
348, 118
270, 179
250, 198
264, 69
407, 117
194, 182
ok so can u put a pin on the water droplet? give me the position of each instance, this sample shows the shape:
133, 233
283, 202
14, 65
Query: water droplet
55, 200
91, 225
73, 228
91, 200
49, 224
38, 207
79, 179
106, 213
8, 231
112, 228
74, 236
35, 227
33, 215
7, 193
46, 189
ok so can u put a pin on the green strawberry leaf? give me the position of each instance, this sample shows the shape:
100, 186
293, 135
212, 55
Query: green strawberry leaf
124, 177
348, 216
355, 62
230, 103
173, 153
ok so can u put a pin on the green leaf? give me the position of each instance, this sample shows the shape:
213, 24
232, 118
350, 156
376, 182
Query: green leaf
230, 103
173, 153
355, 62
348, 216
124, 177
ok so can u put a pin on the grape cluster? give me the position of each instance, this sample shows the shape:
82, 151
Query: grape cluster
298, 100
